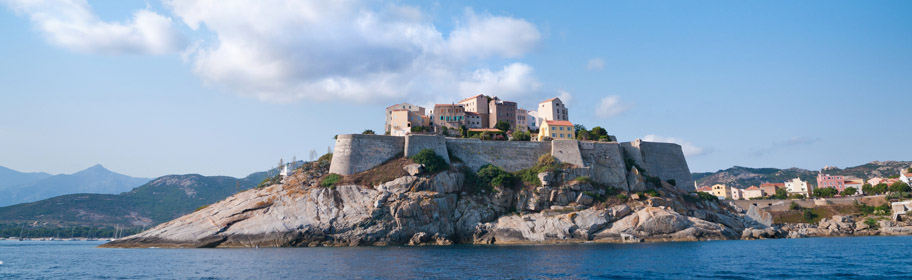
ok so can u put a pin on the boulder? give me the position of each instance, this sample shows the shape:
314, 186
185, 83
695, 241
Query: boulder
414, 169
584, 199
635, 181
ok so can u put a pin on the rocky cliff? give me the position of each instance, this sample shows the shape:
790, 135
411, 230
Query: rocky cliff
420, 208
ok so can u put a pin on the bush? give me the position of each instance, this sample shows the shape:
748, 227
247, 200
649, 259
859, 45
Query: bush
809, 215
546, 163
431, 161
493, 176
825, 192
502, 126
707, 196
900, 187
330, 180
796, 196
849, 191
652, 193
795, 206
419, 128
368, 131
520, 135
871, 222
622, 197
598, 130
584, 179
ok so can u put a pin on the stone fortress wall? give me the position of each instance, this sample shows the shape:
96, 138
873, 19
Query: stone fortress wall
603, 162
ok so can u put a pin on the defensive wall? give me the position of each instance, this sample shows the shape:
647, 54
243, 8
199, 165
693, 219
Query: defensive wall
604, 162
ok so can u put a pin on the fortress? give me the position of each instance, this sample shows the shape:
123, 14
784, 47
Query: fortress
603, 162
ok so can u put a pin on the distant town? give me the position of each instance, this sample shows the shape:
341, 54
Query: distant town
827, 186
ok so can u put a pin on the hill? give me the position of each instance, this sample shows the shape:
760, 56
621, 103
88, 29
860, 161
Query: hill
743, 177
29, 187
157, 201
10, 178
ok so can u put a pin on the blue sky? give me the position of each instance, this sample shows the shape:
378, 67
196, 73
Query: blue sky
150, 88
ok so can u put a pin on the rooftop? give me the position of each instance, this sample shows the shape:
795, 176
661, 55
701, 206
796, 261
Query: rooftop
559, 123
470, 98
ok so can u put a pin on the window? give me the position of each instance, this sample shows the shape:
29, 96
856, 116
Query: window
562, 135
553, 135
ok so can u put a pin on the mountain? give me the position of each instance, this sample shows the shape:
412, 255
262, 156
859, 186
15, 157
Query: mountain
157, 201
743, 177
95, 179
9, 177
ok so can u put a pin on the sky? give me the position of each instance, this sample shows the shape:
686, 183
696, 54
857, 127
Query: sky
149, 88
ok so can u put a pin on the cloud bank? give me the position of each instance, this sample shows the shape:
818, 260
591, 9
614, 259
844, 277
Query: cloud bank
611, 106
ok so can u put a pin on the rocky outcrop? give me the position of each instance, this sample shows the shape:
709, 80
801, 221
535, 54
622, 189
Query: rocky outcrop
440, 209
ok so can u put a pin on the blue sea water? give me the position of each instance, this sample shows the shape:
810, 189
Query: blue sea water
812, 258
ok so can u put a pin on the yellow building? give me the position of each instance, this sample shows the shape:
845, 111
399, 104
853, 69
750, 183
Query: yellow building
402, 121
722, 191
556, 130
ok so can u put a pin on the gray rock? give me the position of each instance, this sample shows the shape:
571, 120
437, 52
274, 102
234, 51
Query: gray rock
414, 169
584, 199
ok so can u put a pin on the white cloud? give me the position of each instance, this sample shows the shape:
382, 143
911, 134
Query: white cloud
514, 80
611, 106
72, 24
595, 64
282, 51
689, 148
565, 96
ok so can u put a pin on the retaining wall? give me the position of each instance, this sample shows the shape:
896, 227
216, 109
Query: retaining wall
663, 160
567, 151
606, 162
358, 152
416, 143
509, 155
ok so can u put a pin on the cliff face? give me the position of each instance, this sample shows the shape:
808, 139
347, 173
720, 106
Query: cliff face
442, 209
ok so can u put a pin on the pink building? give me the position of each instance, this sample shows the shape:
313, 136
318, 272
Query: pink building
831, 181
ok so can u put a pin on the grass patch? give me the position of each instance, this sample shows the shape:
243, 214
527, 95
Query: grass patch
330, 180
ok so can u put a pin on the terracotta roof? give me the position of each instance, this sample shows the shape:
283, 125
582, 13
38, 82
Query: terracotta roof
560, 123
753, 188
549, 100
704, 189
473, 97
908, 175
397, 110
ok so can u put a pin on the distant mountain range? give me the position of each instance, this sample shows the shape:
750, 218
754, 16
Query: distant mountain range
20, 187
743, 177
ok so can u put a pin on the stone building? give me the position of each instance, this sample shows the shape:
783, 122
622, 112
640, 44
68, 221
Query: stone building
451, 116
474, 120
502, 111
401, 106
478, 104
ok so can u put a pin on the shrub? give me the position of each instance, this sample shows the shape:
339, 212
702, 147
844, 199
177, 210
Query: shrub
654, 180
849, 191
493, 176
419, 128
672, 182
809, 215
871, 222
652, 193
584, 179
622, 197
900, 187
521, 136
330, 180
825, 192
598, 130
502, 125
795, 206
368, 131
796, 196
864, 209
707, 196
431, 161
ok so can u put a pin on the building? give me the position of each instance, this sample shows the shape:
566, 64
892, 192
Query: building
389, 113
721, 191
854, 182
451, 116
522, 119
769, 189
737, 194
556, 130
796, 186
478, 104
474, 120
880, 180
553, 110
752, 192
502, 111
906, 176
402, 121
831, 181
705, 189
532, 120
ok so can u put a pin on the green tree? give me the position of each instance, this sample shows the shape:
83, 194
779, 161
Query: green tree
502, 126
368, 131
584, 135
850, 191
520, 135
599, 131
780, 194
432, 162
825, 192
867, 188
880, 188
900, 186
464, 131
579, 127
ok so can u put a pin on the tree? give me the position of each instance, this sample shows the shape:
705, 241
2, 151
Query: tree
867, 188
900, 186
368, 131
464, 131
880, 188
780, 194
502, 126
521, 136
432, 162
583, 135
850, 191
579, 127
825, 192
599, 131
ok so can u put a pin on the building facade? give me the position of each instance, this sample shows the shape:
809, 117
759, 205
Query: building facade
522, 119
451, 116
553, 110
474, 120
502, 111
752, 192
402, 121
769, 189
532, 119
737, 194
721, 191
796, 186
556, 130
478, 104
401, 106
831, 181
905, 176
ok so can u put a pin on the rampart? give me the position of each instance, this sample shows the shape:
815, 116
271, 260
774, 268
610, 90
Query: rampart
606, 162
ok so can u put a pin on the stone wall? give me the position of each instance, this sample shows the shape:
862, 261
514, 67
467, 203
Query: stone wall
606, 162
358, 152
509, 155
416, 143
567, 151
663, 160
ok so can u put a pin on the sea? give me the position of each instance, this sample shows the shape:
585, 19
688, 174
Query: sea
877, 257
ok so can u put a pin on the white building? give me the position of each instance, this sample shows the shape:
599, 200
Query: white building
533, 120
736, 193
905, 176
553, 110
798, 187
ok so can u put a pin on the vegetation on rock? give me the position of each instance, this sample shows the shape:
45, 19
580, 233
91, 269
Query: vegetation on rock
432, 162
